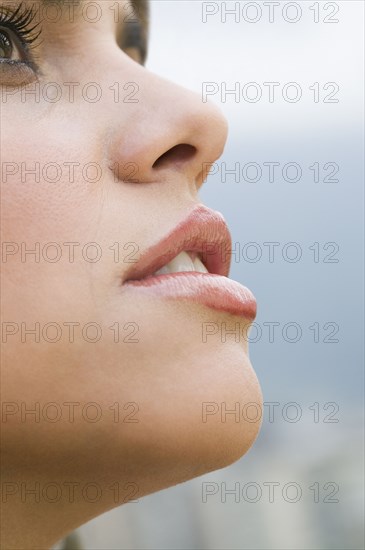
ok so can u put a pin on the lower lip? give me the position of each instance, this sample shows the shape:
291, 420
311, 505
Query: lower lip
214, 291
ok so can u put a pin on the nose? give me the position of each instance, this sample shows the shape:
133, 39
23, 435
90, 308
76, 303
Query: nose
168, 132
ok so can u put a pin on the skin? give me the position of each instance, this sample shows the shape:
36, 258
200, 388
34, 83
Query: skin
166, 375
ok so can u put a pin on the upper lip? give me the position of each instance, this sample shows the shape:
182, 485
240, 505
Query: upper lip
203, 231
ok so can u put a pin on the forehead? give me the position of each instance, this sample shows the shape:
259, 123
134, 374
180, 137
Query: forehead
141, 7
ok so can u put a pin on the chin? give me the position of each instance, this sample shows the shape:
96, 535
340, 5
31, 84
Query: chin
198, 434
185, 390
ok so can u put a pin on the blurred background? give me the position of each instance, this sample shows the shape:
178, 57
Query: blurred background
290, 185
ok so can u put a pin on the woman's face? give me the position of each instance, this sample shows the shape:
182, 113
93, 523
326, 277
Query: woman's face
101, 162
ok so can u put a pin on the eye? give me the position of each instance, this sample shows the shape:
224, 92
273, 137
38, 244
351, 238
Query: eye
9, 48
134, 41
18, 34
6, 48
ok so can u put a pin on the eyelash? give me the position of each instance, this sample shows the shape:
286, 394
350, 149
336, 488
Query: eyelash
18, 22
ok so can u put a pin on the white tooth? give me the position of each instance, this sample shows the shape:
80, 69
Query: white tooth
185, 261
199, 266
182, 262
165, 269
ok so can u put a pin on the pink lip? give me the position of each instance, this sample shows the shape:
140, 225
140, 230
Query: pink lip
205, 232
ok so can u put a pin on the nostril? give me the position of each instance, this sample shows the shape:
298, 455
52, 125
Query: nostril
176, 155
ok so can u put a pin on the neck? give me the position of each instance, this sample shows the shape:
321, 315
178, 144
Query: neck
38, 514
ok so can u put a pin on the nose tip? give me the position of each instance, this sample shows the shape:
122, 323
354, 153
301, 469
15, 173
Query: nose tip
172, 131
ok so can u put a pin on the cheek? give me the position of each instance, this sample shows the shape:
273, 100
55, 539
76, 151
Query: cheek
45, 192
53, 202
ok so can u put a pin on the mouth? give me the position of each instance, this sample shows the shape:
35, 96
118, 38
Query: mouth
192, 263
